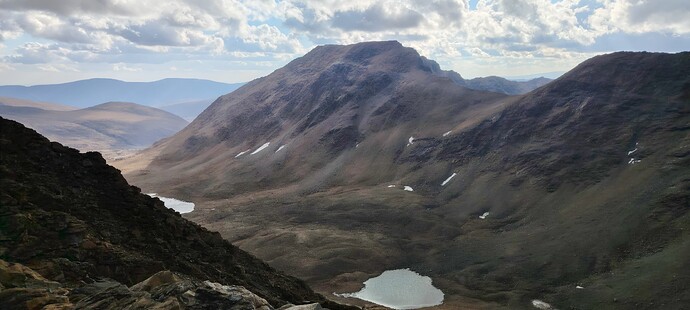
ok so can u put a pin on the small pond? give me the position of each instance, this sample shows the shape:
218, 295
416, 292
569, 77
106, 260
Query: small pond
177, 205
399, 289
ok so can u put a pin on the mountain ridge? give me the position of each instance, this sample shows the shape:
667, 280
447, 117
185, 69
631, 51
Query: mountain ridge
73, 219
502, 193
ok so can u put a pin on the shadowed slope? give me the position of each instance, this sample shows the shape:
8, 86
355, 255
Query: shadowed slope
73, 218
319, 107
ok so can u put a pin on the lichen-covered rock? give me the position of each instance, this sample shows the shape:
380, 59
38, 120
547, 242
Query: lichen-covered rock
313, 306
14, 275
165, 290
23, 288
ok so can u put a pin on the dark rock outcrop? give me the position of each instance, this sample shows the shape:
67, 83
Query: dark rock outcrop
75, 220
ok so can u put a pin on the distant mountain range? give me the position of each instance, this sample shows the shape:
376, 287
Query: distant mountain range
355, 159
107, 127
521, 78
86, 93
189, 97
494, 84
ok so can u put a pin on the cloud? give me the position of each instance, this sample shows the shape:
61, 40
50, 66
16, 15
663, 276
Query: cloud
66, 7
120, 33
50, 26
156, 33
642, 16
6, 67
262, 38
36, 53
57, 68
378, 17
124, 67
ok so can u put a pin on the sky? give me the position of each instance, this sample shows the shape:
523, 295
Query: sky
54, 41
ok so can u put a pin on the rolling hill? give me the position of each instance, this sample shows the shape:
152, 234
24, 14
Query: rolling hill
14, 102
188, 110
367, 157
106, 127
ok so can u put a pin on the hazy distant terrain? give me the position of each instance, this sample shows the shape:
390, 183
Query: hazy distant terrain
14, 102
86, 93
110, 127
187, 98
494, 84
365, 158
188, 110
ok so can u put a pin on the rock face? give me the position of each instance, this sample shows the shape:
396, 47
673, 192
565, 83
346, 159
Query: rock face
75, 221
584, 180
26, 289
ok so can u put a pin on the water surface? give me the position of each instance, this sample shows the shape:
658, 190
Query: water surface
400, 289
177, 205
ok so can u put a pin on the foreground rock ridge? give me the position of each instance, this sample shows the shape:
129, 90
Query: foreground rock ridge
373, 159
74, 234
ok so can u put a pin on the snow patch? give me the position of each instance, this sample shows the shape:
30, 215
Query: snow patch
242, 153
410, 141
483, 216
632, 160
280, 148
540, 304
447, 133
448, 179
579, 287
260, 148
391, 186
409, 189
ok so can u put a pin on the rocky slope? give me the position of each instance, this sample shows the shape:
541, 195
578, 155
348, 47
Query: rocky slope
108, 127
580, 183
73, 233
323, 109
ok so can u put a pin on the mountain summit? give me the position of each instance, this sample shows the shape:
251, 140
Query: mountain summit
316, 110
374, 160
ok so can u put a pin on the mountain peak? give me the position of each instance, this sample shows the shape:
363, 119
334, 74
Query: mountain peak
379, 55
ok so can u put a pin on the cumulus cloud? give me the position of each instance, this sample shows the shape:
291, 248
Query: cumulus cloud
66, 7
119, 32
125, 67
378, 17
642, 16
57, 68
